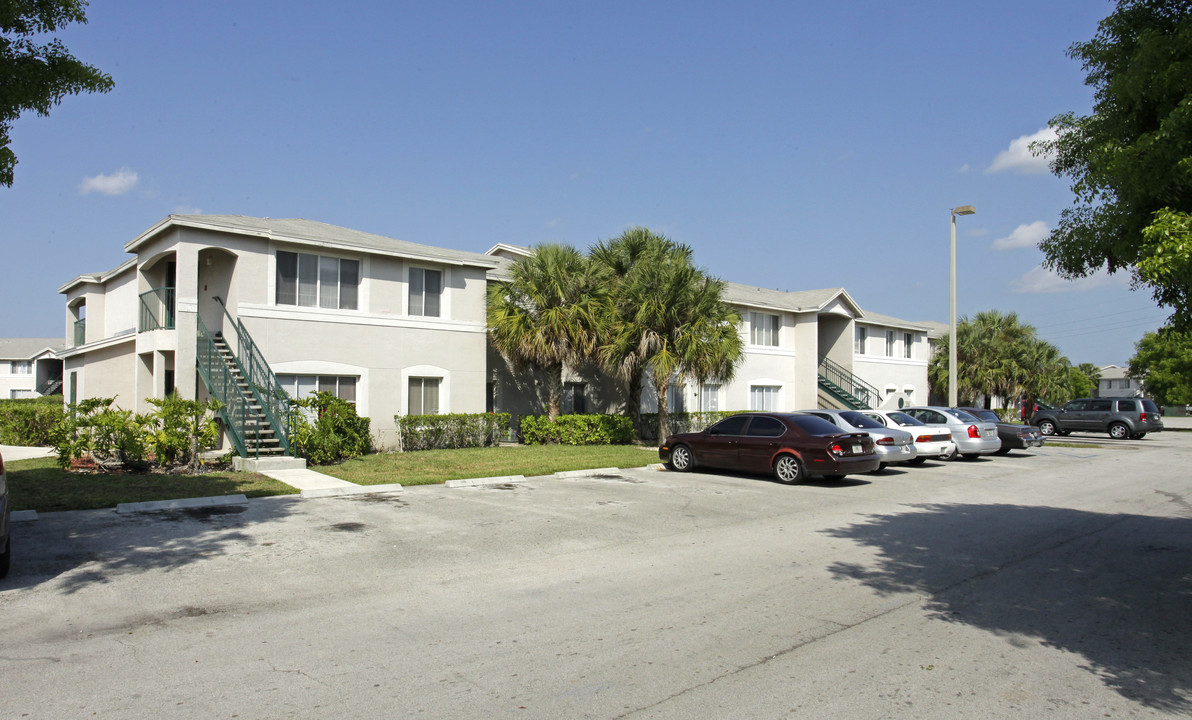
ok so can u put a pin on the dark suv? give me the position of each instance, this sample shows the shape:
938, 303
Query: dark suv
1121, 417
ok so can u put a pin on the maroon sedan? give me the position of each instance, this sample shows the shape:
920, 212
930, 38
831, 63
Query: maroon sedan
790, 446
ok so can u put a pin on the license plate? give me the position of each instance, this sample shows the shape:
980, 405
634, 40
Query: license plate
905, 449
987, 432
856, 449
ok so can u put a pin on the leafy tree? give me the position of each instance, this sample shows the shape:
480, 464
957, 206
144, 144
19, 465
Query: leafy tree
672, 320
546, 315
1092, 372
615, 260
1163, 362
34, 76
1130, 161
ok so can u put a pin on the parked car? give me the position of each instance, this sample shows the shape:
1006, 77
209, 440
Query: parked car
931, 441
1121, 417
5, 540
974, 437
893, 445
792, 447
1013, 435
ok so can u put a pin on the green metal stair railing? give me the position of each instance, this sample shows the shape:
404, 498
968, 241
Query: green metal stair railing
236, 408
274, 400
846, 387
157, 310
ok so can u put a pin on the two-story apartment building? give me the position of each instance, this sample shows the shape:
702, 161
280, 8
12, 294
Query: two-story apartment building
399, 328
29, 367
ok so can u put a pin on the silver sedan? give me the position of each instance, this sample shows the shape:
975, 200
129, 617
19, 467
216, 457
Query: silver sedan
892, 445
974, 437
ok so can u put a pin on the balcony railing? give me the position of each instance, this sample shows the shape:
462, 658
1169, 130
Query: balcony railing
157, 310
80, 332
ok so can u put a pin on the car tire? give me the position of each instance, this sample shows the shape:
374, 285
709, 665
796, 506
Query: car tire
681, 459
916, 460
788, 469
1047, 427
6, 557
1137, 436
1119, 431
950, 455
1002, 451
970, 456
880, 467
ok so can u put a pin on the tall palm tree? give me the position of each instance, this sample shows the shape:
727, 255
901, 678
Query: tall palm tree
671, 320
546, 315
1045, 373
615, 261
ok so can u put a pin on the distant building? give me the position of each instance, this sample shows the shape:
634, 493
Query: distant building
1115, 382
29, 367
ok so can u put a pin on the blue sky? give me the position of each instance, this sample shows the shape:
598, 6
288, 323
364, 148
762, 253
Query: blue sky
792, 145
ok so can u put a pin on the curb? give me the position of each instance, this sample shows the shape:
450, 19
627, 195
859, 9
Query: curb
154, 505
22, 515
485, 481
585, 473
353, 490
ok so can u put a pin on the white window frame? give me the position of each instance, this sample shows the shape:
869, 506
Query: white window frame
709, 397
889, 343
908, 346
324, 295
420, 310
764, 329
20, 367
423, 383
860, 340
765, 398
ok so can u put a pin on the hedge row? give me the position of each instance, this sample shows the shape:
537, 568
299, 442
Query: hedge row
30, 421
459, 430
577, 430
682, 422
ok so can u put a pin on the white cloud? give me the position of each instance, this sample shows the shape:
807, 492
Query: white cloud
1042, 280
1018, 156
117, 183
1023, 236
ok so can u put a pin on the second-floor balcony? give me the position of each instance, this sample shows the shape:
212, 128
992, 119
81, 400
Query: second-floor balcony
157, 310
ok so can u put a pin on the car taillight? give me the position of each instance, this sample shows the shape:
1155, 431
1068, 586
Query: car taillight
1142, 417
974, 431
923, 439
886, 441
836, 449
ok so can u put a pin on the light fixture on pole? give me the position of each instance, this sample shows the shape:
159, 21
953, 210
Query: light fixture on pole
962, 210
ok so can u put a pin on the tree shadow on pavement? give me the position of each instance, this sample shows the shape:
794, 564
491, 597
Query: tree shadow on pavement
81, 548
1116, 589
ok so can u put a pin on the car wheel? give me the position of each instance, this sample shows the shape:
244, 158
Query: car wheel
950, 455
1138, 436
6, 558
970, 456
1118, 431
1047, 427
788, 469
916, 461
681, 459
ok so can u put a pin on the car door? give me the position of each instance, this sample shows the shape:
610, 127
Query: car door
1071, 415
720, 443
1096, 417
762, 439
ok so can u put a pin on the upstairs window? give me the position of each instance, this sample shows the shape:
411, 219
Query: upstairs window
763, 329
889, 343
908, 345
21, 367
309, 280
426, 287
859, 340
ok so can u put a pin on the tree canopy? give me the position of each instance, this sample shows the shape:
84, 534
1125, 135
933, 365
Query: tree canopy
35, 76
1130, 161
1163, 362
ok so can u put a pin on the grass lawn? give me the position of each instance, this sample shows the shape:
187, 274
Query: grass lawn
43, 486
436, 466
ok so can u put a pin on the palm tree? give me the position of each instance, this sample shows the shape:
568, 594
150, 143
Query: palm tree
615, 260
991, 350
546, 315
670, 319
1045, 373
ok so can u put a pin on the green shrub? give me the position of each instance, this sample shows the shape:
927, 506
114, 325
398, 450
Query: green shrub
457, 430
30, 421
577, 430
328, 430
181, 429
682, 422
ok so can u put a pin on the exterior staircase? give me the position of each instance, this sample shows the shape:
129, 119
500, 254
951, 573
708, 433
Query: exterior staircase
845, 388
254, 409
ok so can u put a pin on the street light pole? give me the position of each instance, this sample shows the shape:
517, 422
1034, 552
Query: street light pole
952, 402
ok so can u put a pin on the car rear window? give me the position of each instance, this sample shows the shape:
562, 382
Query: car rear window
903, 419
966, 417
1150, 406
813, 425
860, 420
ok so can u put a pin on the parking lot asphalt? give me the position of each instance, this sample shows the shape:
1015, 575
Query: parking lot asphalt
1050, 583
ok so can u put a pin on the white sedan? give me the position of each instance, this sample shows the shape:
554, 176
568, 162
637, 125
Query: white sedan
931, 441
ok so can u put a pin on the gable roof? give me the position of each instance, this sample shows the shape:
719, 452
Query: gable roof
29, 348
887, 321
311, 232
790, 301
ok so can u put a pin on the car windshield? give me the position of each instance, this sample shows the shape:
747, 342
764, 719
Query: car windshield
812, 425
858, 420
965, 417
903, 419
